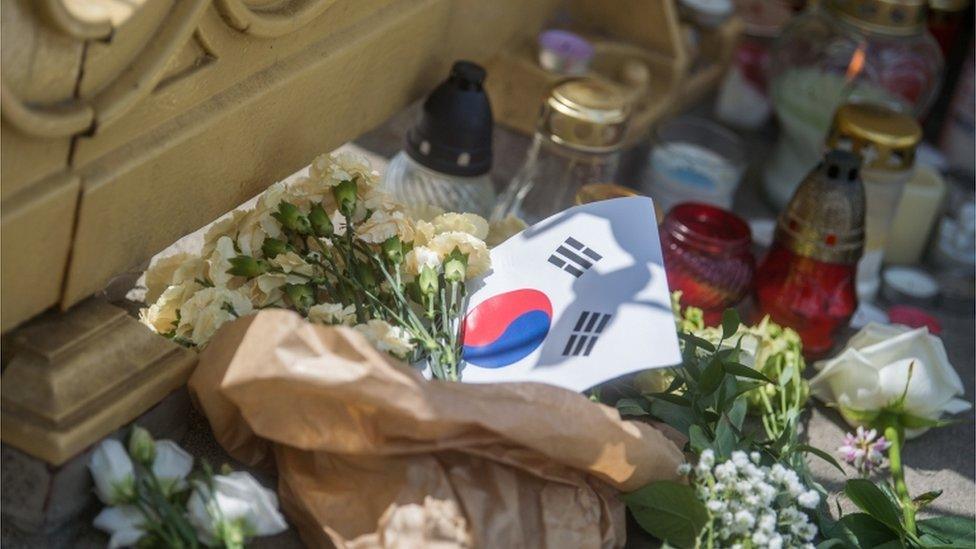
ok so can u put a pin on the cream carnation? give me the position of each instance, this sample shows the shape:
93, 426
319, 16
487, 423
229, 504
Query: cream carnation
332, 313
478, 259
379, 200
254, 228
225, 226
219, 262
383, 336
503, 229
207, 310
172, 270
382, 225
469, 223
291, 262
266, 290
423, 232
162, 315
420, 257
337, 167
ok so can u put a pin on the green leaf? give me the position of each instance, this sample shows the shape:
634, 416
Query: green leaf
870, 499
737, 415
679, 417
711, 378
631, 407
724, 439
698, 439
917, 422
868, 531
730, 323
820, 454
952, 531
922, 500
669, 511
697, 341
741, 370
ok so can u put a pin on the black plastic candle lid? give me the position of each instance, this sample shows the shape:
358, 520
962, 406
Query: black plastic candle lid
453, 135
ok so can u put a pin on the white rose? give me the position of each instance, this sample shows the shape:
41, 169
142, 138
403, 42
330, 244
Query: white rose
383, 225
123, 524
207, 310
235, 498
291, 262
420, 257
113, 472
872, 372
387, 338
479, 260
172, 464
332, 313
503, 229
161, 316
469, 223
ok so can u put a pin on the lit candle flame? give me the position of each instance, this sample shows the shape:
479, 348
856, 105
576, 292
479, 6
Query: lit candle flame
857, 63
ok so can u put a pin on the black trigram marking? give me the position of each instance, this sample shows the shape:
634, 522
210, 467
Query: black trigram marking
574, 257
585, 333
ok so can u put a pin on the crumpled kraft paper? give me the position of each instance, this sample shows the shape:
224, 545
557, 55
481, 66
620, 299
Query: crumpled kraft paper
370, 454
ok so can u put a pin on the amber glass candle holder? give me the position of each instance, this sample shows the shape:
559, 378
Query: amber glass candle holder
707, 256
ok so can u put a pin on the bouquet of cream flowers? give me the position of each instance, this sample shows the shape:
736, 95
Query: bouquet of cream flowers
338, 250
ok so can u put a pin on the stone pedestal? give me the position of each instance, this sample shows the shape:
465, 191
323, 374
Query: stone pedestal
36, 496
69, 380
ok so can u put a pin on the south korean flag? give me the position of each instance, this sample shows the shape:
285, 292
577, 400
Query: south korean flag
575, 300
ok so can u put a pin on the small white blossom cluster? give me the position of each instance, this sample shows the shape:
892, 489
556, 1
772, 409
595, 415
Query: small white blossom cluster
751, 505
291, 250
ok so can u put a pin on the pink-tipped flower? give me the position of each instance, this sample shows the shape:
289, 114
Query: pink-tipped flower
864, 450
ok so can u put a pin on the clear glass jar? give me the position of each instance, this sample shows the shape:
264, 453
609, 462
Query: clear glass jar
577, 142
416, 186
840, 51
550, 178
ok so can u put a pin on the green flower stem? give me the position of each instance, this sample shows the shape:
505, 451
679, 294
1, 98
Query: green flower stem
895, 434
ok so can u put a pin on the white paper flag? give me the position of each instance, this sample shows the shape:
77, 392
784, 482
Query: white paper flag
574, 301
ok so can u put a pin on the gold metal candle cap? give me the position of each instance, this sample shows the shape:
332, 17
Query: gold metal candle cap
595, 192
899, 17
586, 114
884, 138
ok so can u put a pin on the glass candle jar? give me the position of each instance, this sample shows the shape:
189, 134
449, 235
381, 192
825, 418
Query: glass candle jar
807, 279
695, 160
707, 257
886, 141
577, 142
876, 51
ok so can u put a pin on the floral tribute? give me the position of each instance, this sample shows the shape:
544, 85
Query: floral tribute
748, 483
338, 250
155, 499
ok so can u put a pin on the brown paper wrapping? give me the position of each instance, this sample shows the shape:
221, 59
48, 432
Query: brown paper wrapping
370, 454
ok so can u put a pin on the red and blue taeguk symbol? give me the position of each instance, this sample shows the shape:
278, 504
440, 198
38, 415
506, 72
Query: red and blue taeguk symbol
505, 328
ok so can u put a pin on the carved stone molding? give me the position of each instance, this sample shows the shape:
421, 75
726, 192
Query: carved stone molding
73, 378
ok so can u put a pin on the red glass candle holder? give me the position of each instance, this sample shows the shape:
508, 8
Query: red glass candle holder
813, 297
707, 257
